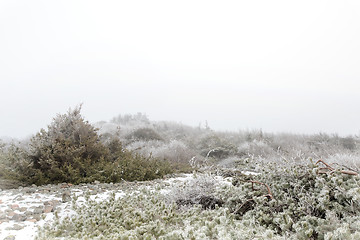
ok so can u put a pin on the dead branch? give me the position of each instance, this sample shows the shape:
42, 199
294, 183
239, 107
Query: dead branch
260, 183
330, 169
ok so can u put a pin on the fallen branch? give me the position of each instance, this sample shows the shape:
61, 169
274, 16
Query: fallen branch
330, 169
267, 187
269, 195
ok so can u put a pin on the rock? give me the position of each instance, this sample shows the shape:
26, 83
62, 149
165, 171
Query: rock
2, 216
37, 217
48, 209
14, 206
38, 210
66, 196
11, 213
1, 200
10, 237
15, 227
46, 190
65, 185
94, 192
96, 182
23, 209
19, 217
28, 213
31, 220
55, 203
30, 190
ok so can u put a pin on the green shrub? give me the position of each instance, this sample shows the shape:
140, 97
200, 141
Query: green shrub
127, 165
67, 151
70, 150
144, 134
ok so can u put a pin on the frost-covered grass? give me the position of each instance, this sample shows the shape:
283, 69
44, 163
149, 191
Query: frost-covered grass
305, 205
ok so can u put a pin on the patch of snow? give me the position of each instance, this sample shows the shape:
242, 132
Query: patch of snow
250, 173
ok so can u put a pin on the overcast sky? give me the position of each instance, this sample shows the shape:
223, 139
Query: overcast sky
283, 66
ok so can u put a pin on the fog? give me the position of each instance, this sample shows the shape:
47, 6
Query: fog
282, 66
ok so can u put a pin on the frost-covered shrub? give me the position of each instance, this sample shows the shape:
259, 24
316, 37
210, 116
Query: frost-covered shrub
175, 152
255, 148
129, 119
67, 151
15, 167
146, 215
305, 204
144, 134
348, 143
216, 146
230, 162
350, 160
198, 190
70, 150
127, 165
212, 146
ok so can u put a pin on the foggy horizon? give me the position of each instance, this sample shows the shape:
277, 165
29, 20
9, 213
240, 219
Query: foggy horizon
202, 124
279, 66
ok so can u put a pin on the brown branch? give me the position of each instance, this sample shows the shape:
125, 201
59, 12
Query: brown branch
329, 169
260, 183
349, 172
327, 165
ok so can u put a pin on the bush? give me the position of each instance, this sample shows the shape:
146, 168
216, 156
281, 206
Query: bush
305, 204
144, 134
215, 147
15, 167
67, 151
175, 152
70, 150
127, 165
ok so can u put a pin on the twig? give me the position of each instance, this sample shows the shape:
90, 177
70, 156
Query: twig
267, 187
330, 169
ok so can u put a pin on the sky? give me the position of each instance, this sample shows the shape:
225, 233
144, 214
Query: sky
280, 66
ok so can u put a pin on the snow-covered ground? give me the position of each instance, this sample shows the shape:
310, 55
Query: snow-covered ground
23, 210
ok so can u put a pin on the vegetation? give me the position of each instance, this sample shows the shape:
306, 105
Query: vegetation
144, 134
301, 203
287, 196
70, 150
